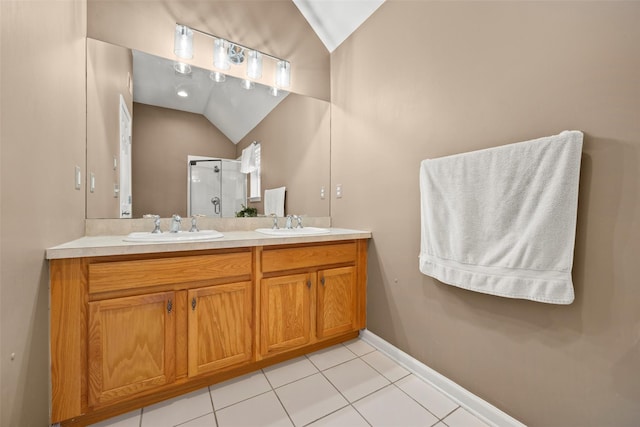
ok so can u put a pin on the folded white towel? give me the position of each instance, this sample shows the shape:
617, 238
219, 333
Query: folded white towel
274, 201
502, 221
248, 159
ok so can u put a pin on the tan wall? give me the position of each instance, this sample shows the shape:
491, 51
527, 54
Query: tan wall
163, 138
276, 27
42, 133
109, 69
427, 79
295, 154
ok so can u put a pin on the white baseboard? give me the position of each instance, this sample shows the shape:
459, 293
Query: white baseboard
478, 407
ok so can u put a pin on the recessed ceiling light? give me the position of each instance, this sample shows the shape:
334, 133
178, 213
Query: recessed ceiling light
182, 93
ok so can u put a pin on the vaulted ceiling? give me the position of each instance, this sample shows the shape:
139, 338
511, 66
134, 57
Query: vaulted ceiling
234, 110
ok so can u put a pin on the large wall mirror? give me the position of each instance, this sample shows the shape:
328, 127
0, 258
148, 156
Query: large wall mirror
137, 94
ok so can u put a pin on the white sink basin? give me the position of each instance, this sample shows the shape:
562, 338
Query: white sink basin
291, 232
181, 236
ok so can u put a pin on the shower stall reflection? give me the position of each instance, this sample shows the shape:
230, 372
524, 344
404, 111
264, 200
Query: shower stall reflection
217, 188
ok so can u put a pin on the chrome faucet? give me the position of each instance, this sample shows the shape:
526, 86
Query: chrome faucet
287, 224
156, 222
194, 223
298, 218
275, 221
176, 221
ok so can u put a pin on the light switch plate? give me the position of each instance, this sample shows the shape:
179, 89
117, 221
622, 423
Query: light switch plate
78, 178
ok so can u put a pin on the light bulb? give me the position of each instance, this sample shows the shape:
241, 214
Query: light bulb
217, 76
183, 42
254, 65
283, 74
220, 57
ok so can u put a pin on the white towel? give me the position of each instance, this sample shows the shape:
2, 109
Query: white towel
502, 221
248, 159
274, 201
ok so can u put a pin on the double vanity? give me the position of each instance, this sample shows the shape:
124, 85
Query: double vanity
136, 321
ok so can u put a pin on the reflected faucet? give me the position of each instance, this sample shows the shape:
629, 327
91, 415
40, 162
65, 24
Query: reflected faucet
275, 221
194, 223
156, 222
287, 224
176, 222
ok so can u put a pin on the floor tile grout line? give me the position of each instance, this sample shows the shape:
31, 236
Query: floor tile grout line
215, 416
192, 419
333, 412
275, 392
333, 366
389, 379
427, 409
243, 400
363, 354
284, 408
293, 381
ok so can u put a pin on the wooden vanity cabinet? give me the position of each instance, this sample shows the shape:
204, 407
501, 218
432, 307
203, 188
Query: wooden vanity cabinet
128, 331
310, 293
220, 324
131, 345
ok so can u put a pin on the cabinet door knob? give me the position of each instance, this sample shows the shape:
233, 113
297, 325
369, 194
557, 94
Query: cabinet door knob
169, 306
322, 280
193, 303
309, 284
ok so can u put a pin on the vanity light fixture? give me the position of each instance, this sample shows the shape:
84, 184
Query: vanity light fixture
227, 53
220, 58
183, 42
246, 84
182, 68
217, 76
283, 73
254, 65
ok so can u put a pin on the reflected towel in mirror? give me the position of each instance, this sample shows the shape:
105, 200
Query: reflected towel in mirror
248, 159
274, 201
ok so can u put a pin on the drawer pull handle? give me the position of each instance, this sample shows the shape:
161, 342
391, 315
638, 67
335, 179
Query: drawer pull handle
169, 306
193, 303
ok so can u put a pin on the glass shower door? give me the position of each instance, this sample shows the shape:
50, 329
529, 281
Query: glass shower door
205, 190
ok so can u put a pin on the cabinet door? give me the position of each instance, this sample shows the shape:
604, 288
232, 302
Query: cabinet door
131, 346
220, 326
336, 305
285, 310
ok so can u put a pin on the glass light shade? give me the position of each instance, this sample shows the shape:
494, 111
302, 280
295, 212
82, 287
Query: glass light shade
183, 42
220, 57
217, 76
283, 74
247, 84
254, 65
274, 91
182, 68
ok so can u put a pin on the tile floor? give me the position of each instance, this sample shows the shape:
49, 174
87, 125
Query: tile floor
347, 385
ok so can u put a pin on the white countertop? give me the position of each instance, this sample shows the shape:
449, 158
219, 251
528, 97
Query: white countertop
115, 245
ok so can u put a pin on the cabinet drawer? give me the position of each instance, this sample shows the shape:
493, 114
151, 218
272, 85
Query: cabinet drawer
306, 257
113, 276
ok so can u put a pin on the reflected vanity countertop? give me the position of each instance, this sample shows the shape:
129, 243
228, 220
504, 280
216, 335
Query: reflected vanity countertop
116, 245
